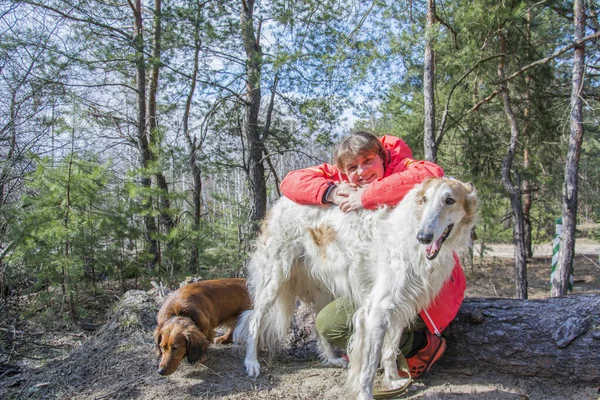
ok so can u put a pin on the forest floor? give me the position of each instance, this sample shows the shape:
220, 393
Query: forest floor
42, 356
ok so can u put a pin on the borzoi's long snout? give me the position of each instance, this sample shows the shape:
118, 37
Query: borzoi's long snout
433, 223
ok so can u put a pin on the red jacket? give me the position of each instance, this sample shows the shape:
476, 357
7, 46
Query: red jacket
401, 174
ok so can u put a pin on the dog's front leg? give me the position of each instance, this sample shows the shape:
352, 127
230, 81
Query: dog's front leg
389, 353
371, 325
251, 361
377, 321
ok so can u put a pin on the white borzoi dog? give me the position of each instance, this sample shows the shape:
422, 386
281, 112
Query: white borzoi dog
391, 262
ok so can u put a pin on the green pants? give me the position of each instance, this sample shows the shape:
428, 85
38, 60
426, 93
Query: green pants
334, 323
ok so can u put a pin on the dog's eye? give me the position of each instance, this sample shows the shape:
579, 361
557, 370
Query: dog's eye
174, 348
450, 201
424, 200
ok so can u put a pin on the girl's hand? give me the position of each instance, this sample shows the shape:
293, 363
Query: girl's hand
341, 192
352, 202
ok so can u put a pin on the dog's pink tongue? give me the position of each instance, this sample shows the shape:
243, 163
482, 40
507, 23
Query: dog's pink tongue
434, 247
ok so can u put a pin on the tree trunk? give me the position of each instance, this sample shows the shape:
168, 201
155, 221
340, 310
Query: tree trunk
142, 138
155, 64
429, 86
527, 197
267, 156
513, 188
65, 286
561, 277
194, 145
549, 338
256, 168
4, 179
165, 220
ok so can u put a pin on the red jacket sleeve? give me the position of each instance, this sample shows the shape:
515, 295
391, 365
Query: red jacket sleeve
307, 186
398, 181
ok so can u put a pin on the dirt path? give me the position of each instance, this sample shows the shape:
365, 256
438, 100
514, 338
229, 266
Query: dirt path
582, 246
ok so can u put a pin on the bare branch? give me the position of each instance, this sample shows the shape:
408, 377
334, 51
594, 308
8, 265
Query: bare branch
441, 131
486, 100
549, 58
86, 20
454, 34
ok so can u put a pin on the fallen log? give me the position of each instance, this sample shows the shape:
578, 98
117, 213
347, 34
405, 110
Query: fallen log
550, 338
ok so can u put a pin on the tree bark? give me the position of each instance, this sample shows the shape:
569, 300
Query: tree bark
267, 156
549, 338
429, 86
194, 145
513, 188
527, 196
166, 220
561, 277
5, 173
256, 168
65, 284
142, 138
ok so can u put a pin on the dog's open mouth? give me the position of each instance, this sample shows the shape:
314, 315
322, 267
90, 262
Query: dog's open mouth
434, 248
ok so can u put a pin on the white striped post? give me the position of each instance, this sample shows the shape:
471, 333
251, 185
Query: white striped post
555, 249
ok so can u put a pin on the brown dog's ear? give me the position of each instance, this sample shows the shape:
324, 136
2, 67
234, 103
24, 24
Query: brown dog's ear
157, 340
197, 344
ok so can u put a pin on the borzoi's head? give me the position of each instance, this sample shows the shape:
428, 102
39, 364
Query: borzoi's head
446, 211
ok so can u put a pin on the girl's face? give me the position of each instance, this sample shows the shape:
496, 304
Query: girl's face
364, 170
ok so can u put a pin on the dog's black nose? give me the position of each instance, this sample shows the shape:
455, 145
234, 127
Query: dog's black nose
424, 238
161, 371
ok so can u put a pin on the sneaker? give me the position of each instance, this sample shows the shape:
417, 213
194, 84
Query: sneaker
421, 362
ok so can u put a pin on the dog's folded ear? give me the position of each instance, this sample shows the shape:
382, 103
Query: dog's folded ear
470, 204
469, 187
157, 340
197, 344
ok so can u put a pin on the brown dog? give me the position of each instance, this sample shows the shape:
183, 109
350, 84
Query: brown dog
188, 318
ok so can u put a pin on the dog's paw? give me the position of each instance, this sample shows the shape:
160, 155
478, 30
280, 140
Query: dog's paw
223, 340
363, 396
336, 362
252, 368
398, 383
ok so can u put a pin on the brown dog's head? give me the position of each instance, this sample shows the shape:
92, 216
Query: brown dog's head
176, 338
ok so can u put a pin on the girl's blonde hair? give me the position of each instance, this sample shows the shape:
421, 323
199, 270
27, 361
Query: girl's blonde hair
360, 143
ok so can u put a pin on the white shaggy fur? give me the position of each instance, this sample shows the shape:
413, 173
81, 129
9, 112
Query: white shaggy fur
375, 258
